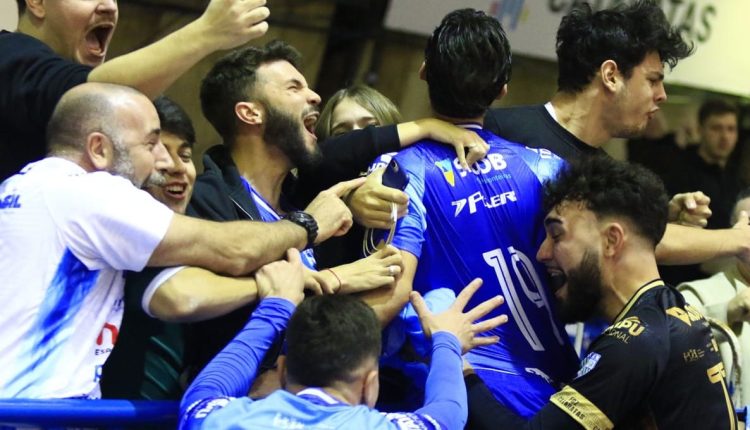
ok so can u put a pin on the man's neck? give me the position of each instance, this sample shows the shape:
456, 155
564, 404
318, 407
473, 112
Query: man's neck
709, 159
628, 275
478, 120
263, 165
581, 115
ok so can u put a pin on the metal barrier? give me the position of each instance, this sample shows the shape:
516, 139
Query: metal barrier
110, 414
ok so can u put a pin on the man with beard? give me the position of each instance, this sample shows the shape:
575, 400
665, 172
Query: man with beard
657, 365
261, 105
61, 44
70, 224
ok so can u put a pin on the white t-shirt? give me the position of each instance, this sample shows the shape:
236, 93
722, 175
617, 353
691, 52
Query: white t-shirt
65, 238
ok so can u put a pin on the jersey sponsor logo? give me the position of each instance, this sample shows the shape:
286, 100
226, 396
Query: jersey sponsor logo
445, 167
474, 201
693, 354
543, 153
283, 422
205, 407
537, 372
687, 315
379, 163
490, 164
588, 363
406, 421
626, 329
10, 201
113, 333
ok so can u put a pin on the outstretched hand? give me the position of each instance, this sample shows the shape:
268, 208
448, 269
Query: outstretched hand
459, 323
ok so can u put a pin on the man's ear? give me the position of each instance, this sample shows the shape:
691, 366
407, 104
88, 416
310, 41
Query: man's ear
36, 8
503, 92
99, 151
371, 388
249, 113
614, 239
610, 74
422, 72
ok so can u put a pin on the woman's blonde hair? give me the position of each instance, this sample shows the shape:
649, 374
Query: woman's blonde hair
380, 106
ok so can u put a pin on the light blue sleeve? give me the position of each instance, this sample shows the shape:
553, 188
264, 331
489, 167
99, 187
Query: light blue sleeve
232, 372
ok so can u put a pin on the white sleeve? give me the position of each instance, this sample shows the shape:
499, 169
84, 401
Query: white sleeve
157, 282
106, 222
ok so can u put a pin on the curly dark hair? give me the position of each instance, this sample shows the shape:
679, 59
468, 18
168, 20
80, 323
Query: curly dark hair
625, 34
467, 62
328, 338
232, 80
609, 187
715, 106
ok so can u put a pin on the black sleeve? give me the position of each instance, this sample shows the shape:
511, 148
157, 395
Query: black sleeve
486, 413
344, 158
38, 78
210, 200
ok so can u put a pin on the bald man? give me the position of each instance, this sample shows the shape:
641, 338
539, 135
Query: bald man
72, 222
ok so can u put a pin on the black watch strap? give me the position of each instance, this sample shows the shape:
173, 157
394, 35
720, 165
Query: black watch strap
306, 221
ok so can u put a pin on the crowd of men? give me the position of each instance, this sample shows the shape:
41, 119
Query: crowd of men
518, 211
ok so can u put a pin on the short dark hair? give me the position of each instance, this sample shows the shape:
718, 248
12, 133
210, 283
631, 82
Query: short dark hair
174, 119
467, 62
21, 6
329, 338
713, 107
609, 187
232, 80
625, 34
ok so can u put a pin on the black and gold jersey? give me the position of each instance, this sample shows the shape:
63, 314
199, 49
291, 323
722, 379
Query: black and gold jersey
656, 367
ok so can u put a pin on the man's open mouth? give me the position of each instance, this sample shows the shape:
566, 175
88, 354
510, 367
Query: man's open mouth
97, 38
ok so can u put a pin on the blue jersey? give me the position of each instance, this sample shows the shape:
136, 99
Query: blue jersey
486, 222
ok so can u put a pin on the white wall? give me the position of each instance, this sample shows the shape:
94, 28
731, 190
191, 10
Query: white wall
8, 15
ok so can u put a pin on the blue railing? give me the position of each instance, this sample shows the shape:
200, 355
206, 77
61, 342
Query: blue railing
110, 414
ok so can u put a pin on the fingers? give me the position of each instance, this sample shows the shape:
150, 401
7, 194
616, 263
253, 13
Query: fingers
342, 188
477, 151
484, 341
419, 305
742, 220
460, 152
293, 256
384, 196
466, 294
489, 324
484, 308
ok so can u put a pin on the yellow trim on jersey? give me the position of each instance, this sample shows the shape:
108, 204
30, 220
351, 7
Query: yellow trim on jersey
653, 284
581, 409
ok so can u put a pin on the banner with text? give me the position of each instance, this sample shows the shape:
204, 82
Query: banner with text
717, 28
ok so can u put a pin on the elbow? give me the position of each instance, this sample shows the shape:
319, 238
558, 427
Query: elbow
173, 305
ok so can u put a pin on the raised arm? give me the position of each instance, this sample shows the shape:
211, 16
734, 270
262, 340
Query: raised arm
224, 25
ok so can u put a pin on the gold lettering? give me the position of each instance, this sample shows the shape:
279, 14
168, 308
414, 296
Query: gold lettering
679, 314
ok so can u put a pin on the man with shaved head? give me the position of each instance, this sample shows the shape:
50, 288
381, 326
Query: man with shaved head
62, 43
71, 223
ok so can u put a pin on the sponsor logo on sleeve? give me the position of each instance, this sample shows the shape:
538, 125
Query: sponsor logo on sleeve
588, 364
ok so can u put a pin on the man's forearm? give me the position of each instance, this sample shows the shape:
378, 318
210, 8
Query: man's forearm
690, 245
152, 69
235, 248
195, 294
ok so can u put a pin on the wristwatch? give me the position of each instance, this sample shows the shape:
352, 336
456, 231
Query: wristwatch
306, 221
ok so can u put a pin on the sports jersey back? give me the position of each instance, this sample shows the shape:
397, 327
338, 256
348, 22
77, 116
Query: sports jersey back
65, 236
487, 222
